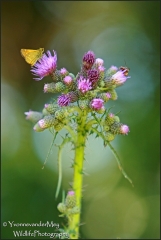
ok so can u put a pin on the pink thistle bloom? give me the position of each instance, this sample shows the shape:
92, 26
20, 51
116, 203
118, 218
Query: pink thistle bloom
124, 129
108, 95
71, 193
99, 62
63, 71
84, 85
88, 60
97, 103
64, 100
68, 80
101, 68
113, 68
119, 78
45, 66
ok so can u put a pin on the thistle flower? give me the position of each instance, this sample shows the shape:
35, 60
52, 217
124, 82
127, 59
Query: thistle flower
88, 60
101, 69
97, 103
64, 100
124, 129
99, 62
45, 66
84, 85
119, 78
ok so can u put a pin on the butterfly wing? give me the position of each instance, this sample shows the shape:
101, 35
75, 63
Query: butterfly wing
32, 56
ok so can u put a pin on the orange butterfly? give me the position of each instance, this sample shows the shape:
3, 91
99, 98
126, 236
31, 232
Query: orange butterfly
32, 56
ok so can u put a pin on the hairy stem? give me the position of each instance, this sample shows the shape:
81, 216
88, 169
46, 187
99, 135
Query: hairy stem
78, 175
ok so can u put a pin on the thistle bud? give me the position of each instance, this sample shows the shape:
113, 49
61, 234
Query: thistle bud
74, 210
124, 129
70, 200
115, 128
68, 80
59, 87
63, 72
109, 136
58, 127
44, 123
49, 88
88, 60
101, 110
56, 76
61, 114
51, 107
106, 128
45, 112
33, 116
61, 207
105, 96
110, 119
113, 94
117, 119
73, 96
84, 104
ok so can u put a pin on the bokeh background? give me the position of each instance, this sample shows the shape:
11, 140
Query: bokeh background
122, 33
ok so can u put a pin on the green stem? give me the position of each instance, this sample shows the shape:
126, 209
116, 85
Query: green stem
78, 175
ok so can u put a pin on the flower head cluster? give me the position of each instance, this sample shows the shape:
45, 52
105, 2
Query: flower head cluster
90, 89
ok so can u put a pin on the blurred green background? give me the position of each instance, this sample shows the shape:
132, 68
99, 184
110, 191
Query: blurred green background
122, 33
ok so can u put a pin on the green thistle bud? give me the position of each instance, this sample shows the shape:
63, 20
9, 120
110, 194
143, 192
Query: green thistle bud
51, 108
50, 88
74, 210
101, 83
101, 110
61, 207
106, 128
113, 94
61, 114
70, 200
45, 112
109, 136
44, 123
115, 128
33, 116
58, 127
109, 119
37, 128
84, 104
117, 119
56, 76
91, 94
59, 86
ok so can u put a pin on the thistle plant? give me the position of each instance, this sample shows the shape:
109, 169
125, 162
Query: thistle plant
80, 110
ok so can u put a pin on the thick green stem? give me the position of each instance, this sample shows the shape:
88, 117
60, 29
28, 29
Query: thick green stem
78, 176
